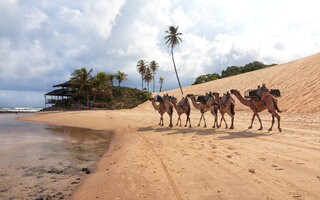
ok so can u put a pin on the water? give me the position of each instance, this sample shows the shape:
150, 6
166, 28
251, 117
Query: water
20, 109
40, 160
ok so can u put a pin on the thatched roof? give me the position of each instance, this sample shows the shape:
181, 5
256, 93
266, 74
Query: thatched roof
65, 84
60, 92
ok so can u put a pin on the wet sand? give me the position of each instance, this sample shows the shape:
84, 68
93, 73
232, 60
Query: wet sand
39, 160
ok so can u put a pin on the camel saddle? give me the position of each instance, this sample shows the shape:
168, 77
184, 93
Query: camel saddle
183, 101
255, 94
224, 98
158, 98
203, 99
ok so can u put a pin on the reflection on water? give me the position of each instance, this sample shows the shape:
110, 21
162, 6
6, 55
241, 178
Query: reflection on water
40, 160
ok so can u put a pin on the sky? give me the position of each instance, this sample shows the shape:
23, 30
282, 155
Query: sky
42, 41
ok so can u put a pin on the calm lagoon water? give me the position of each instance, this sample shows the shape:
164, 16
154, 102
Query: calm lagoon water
40, 160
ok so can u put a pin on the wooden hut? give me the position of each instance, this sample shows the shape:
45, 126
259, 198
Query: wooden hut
66, 91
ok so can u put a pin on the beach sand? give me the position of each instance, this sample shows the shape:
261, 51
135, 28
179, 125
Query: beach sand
147, 161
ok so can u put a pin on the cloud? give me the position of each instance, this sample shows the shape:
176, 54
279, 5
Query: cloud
42, 42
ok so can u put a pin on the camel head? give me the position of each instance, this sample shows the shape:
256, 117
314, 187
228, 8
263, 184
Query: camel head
173, 99
166, 97
190, 95
233, 91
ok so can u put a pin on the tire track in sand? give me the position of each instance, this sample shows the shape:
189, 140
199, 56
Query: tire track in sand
165, 169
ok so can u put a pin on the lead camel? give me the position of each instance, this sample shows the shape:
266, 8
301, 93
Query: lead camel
267, 101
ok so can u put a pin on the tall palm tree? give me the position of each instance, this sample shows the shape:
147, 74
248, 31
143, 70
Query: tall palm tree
80, 78
153, 66
148, 76
120, 76
141, 68
161, 80
173, 39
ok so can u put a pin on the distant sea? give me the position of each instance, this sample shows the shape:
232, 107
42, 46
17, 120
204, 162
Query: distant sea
20, 109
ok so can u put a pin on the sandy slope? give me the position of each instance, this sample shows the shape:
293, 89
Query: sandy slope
298, 82
146, 161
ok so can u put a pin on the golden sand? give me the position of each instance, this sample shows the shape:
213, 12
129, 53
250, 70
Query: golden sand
146, 161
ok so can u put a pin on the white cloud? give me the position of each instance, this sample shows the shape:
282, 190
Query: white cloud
42, 43
34, 18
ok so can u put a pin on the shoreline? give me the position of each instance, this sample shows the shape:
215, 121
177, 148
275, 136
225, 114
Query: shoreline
147, 161
61, 176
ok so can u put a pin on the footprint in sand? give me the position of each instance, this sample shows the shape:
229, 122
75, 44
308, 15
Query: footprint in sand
318, 177
263, 159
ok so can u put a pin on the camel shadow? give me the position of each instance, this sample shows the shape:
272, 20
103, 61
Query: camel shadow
244, 134
231, 134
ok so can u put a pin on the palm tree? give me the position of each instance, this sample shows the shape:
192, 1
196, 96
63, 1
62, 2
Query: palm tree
161, 80
80, 78
141, 68
153, 66
173, 39
110, 78
148, 76
120, 76
100, 84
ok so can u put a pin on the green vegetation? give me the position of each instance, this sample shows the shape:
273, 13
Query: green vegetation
231, 71
125, 97
98, 92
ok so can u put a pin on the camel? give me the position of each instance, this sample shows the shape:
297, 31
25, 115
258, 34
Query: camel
213, 107
163, 107
226, 105
182, 107
267, 101
200, 106
160, 108
169, 107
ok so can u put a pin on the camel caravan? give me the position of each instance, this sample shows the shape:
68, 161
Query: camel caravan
257, 100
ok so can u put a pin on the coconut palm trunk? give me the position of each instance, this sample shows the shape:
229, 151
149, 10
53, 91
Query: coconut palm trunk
153, 83
175, 69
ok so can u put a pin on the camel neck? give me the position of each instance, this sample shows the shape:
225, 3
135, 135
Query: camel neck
217, 98
155, 106
195, 104
241, 99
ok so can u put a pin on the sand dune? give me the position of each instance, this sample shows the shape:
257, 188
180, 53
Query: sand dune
298, 82
147, 161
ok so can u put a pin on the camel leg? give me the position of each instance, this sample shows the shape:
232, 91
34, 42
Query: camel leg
221, 120
253, 116
270, 129
178, 121
259, 121
204, 119
170, 125
188, 119
214, 122
225, 121
278, 118
232, 118
200, 120
161, 120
